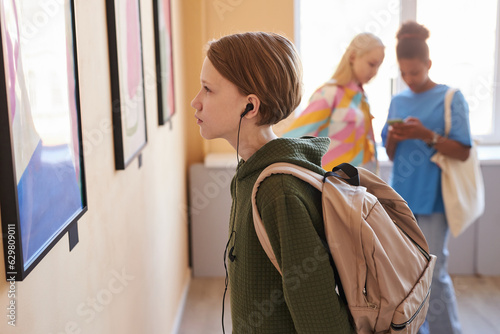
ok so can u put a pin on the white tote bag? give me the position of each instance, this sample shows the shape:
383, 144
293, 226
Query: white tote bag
461, 181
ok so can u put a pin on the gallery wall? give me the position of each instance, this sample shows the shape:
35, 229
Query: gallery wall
129, 271
223, 17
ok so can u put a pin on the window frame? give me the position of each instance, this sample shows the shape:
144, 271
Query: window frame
408, 11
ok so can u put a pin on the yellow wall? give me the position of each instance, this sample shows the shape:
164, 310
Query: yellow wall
192, 28
133, 249
223, 17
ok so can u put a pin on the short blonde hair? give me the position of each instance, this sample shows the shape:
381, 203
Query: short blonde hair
264, 64
360, 44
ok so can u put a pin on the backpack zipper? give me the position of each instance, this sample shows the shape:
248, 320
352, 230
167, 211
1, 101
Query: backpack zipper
399, 327
365, 296
426, 255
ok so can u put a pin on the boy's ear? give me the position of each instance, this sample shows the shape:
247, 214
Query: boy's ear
255, 102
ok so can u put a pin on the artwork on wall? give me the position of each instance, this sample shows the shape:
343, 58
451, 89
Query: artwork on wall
42, 190
127, 80
164, 61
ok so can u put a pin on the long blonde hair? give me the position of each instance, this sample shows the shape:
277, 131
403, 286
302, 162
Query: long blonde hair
360, 44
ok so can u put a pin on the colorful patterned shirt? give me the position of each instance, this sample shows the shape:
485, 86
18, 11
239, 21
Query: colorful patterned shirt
341, 113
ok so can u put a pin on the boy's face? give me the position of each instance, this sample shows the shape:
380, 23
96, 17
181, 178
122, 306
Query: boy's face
218, 105
415, 73
365, 67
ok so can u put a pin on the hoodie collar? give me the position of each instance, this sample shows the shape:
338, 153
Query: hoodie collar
306, 152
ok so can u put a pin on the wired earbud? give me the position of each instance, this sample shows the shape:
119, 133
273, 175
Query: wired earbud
248, 108
231, 256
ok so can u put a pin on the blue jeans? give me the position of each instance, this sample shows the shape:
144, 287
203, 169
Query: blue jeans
442, 316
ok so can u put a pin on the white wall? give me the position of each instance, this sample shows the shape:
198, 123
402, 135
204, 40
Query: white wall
476, 251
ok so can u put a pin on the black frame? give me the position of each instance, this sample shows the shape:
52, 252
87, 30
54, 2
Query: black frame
15, 267
121, 161
163, 101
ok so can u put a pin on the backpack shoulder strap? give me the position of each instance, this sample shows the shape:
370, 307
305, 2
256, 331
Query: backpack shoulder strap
314, 179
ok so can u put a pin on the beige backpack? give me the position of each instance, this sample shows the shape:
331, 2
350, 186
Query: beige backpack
378, 250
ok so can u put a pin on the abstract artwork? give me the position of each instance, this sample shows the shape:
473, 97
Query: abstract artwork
42, 190
164, 61
127, 80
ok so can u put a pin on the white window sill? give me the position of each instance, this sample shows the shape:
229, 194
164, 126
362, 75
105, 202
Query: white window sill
488, 155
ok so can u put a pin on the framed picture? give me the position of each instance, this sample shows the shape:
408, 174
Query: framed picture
42, 191
164, 61
127, 80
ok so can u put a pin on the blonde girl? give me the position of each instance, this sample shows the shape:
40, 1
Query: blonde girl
339, 108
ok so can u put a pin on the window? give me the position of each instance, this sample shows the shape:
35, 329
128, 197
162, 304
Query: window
463, 48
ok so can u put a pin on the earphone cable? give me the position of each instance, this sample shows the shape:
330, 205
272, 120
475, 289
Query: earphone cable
226, 280
238, 145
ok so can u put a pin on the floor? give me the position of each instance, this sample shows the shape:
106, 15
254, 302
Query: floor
478, 304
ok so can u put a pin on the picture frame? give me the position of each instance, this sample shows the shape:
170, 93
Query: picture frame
127, 80
164, 60
43, 192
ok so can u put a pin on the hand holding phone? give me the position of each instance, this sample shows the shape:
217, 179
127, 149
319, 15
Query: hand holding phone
394, 121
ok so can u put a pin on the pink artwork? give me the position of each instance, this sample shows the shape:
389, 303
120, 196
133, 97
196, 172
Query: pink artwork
133, 49
164, 61
127, 82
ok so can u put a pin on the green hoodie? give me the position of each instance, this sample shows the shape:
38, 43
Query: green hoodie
304, 299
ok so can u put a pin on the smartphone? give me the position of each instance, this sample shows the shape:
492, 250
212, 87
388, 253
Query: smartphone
394, 121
